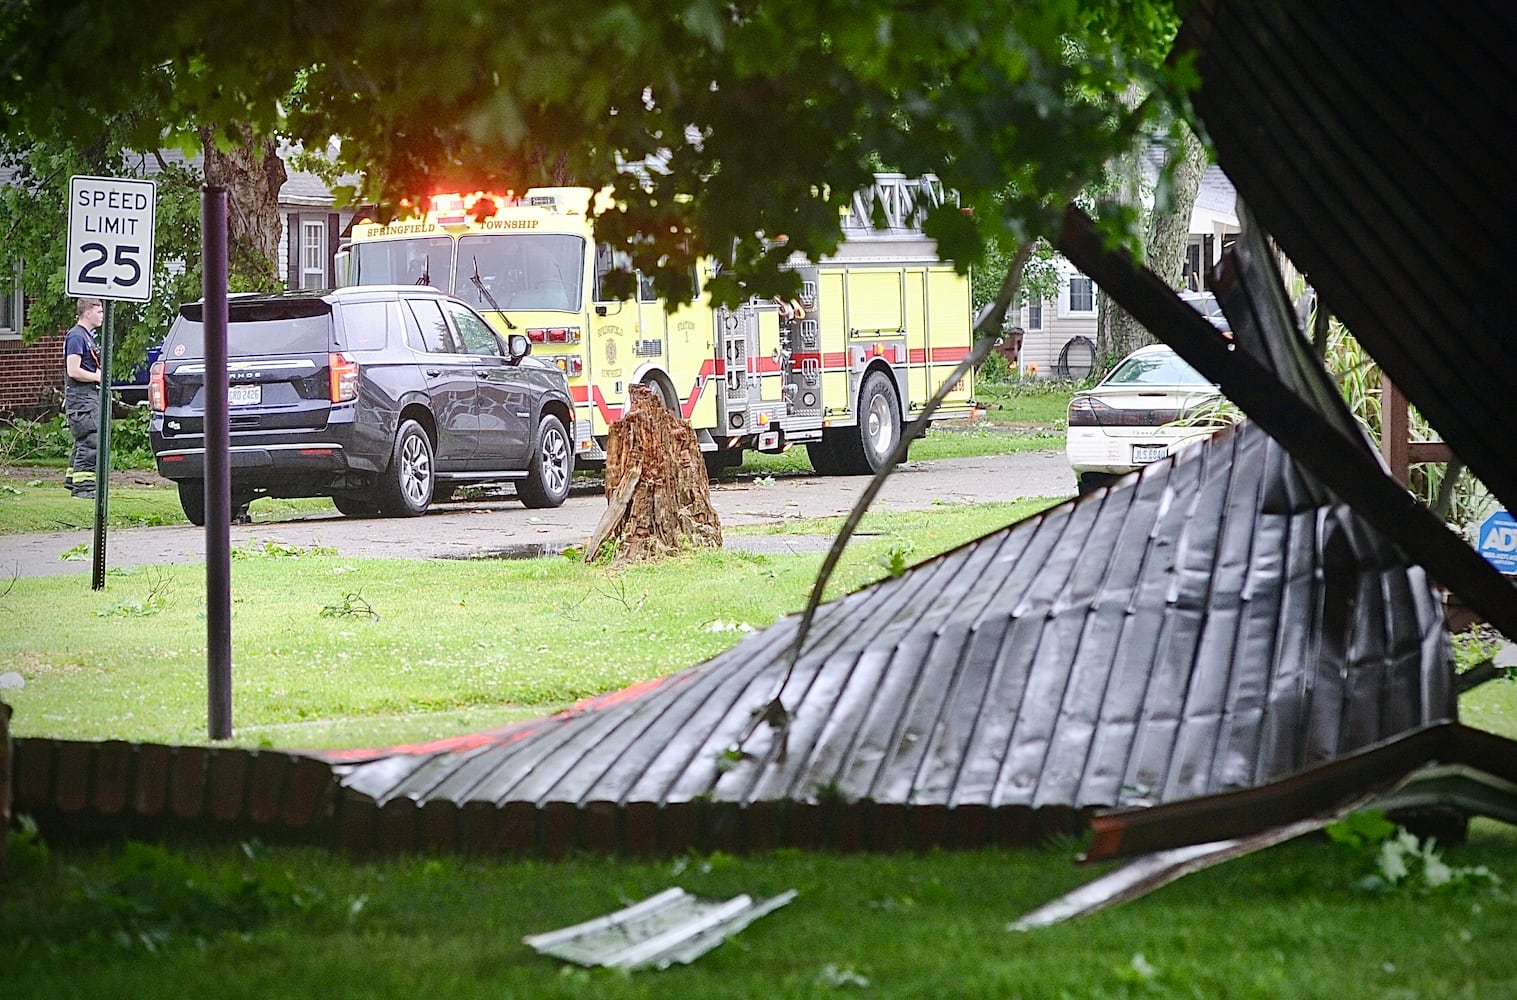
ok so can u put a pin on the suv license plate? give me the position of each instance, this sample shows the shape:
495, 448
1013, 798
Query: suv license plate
1142, 454
244, 395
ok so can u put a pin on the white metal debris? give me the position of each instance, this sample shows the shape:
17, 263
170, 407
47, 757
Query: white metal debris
671, 927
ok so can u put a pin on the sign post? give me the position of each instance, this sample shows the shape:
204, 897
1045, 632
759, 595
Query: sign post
111, 223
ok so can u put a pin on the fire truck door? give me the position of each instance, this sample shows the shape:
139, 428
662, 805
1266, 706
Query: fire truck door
950, 335
771, 362
651, 345
920, 379
613, 327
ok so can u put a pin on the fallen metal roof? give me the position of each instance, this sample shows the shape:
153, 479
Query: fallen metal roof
1216, 622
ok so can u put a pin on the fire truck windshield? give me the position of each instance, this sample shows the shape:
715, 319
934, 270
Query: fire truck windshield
525, 271
426, 261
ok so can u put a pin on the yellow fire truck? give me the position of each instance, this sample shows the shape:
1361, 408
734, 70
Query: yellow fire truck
878, 326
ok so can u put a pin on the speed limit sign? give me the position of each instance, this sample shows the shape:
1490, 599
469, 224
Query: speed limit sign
110, 237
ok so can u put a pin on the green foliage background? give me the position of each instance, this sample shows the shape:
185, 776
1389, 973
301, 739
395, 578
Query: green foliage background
34, 219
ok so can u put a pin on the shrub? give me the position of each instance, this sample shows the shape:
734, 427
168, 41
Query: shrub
130, 445
995, 369
35, 441
44, 441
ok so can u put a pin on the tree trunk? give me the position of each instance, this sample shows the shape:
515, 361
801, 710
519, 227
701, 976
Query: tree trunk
1167, 235
1169, 232
659, 500
252, 172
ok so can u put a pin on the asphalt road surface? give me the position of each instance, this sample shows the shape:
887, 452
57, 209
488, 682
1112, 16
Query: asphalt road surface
474, 528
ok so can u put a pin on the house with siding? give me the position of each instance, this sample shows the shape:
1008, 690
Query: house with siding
31, 375
1059, 334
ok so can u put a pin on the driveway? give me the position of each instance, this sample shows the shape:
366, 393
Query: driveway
503, 527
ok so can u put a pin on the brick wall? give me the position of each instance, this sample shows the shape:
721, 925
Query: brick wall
31, 375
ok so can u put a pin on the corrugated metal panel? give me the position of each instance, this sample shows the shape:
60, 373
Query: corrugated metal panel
1215, 622
662, 930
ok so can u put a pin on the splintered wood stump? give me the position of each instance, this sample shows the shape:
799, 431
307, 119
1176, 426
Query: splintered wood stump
658, 498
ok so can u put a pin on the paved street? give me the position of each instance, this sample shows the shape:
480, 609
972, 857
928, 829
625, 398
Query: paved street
459, 530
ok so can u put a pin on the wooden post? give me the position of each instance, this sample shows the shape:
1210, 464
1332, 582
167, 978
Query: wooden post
5, 780
1401, 453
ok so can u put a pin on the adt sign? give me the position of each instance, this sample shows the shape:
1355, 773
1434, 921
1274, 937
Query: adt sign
1498, 541
110, 237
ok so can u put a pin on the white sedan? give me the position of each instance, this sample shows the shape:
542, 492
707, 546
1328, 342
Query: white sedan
1150, 404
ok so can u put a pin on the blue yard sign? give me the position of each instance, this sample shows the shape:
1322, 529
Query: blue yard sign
1498, 541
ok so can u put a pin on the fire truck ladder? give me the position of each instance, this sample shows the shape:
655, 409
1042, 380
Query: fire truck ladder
902, 202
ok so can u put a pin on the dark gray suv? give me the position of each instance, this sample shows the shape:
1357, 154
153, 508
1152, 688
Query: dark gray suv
383, 398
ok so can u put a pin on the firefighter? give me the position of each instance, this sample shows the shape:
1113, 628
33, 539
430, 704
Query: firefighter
81, 396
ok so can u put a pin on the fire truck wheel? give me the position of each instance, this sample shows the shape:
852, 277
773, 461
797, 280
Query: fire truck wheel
863, 449
823, 457
664, 392
721, 460
551, 468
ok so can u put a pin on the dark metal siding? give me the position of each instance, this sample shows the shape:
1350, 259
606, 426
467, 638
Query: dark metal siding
1367, 139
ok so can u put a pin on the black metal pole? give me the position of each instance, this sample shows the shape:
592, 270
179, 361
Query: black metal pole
103, 452
218, 467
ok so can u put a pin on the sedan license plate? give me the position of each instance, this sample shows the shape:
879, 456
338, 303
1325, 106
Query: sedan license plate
1142, 454
244, 395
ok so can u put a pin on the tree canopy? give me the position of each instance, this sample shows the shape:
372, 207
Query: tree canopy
758, 117
34, 224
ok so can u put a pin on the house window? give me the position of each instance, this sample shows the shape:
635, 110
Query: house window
1082, 294
11, 320
313, 255
1034, 316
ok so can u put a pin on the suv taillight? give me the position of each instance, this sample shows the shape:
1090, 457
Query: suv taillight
156, 396
344, 372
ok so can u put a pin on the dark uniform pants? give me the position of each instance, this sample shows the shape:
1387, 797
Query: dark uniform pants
81, 405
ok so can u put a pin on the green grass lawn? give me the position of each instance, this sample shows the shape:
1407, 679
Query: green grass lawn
32, 499
1031, 402
265, 923
331, 651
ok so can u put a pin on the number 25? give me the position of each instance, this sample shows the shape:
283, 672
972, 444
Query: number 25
124, 258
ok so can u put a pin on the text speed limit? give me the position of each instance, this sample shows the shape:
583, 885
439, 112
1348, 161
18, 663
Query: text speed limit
110, 237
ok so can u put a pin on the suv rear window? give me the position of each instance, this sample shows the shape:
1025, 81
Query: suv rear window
256, 329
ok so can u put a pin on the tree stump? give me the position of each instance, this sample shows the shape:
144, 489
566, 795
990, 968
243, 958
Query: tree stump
659, 500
